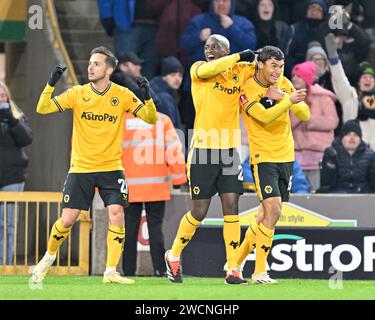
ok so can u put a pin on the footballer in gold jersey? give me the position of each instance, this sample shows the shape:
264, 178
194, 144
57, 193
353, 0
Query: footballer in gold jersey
266, 100
213, 163
98, 110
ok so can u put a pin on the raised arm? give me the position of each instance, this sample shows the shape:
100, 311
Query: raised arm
206, 70
46, 103
147, 111
346, 94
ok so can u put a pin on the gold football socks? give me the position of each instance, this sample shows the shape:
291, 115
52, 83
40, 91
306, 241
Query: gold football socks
185, 232
58, 234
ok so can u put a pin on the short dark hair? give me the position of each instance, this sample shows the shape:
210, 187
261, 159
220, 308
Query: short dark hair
269, 52
110, 59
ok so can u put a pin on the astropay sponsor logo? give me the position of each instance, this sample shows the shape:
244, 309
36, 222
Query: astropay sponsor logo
99, 117
221, 87
308, 257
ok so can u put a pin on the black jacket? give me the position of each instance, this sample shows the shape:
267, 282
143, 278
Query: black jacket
345, 173
126, 80
168, 99
13, 160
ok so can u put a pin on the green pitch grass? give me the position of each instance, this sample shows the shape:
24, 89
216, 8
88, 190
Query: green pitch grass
148, 288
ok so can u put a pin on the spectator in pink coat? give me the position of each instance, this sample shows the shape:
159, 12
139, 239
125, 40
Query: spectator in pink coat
314, 136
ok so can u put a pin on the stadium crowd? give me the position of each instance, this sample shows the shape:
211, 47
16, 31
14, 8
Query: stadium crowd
329, 47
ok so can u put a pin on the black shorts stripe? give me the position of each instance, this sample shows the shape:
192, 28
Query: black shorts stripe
231, 221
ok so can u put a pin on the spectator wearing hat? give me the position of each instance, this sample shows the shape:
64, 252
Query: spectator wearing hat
317, 54
127, 72
348, 165
295, 41
366, 89
166, 87
312, 137
357, 103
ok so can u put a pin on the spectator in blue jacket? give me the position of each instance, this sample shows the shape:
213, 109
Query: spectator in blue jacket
133, 26
299, 182
166, 86
219, 20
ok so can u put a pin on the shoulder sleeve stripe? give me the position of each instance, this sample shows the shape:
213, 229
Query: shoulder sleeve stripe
137, 109
57, 105
249, 106
196, 73
196, 70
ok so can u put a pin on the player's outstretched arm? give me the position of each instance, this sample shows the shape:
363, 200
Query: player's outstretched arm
148, 112
206, 70
46, 104
301, 110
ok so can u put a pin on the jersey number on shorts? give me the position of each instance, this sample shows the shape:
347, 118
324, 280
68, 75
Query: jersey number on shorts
290, 183
124, 186
240, 175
